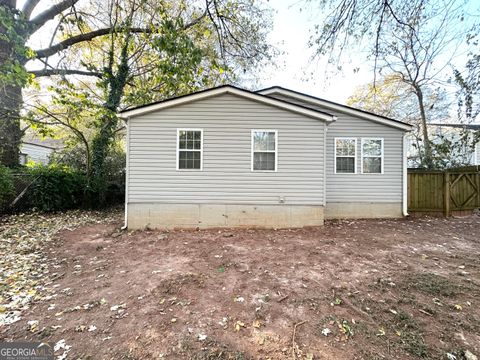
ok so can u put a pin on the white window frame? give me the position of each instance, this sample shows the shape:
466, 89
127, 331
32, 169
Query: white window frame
335, 155
382, 155
199, 150
252, 141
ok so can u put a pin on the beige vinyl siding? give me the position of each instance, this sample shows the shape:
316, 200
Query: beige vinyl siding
226, 178
351, 188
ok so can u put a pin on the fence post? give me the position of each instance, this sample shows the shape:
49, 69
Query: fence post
446, 193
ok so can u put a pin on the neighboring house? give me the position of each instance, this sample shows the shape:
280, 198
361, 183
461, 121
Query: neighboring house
272, 158
467, 154
38, 150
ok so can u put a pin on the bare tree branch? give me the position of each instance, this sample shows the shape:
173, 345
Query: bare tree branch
50, 72
28, 7
39, 20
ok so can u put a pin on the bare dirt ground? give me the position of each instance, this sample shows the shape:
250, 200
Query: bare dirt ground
382, 289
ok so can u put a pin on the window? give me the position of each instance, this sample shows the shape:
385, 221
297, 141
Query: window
23, 159
264, 150
189, 149
345, 155
372, 156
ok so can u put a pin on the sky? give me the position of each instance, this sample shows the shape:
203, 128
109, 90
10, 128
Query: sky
295, 69
291, 32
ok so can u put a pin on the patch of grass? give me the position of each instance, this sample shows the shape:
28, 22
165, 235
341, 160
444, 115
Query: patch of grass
174, 285
432, 284
411, 337
214, 350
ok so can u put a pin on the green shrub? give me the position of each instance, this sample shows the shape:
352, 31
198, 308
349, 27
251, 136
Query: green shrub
56, 187
6, 187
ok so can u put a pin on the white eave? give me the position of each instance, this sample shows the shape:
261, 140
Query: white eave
227, 89
336, 107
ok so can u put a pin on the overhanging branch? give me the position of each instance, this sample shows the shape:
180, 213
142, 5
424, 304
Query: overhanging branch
28, 7
65, 44
50, 72
50, 13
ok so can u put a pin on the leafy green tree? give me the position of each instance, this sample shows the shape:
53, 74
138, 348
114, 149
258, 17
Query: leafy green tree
235, 32
188, 49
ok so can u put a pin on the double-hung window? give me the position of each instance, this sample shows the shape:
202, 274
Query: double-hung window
372, 156
189, 149
345, 155
264, 150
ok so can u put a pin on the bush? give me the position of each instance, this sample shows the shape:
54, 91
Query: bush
6, 187
56, 187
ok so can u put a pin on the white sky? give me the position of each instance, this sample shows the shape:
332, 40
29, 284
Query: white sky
290, 34
294, 70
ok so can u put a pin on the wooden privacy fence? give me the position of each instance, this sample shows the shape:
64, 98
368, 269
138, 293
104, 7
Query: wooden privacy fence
443, 191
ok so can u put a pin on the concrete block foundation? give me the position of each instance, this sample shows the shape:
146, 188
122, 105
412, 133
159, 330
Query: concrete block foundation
363, 210
171, 216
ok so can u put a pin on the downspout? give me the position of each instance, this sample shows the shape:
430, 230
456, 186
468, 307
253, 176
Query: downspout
325, 166
334, 118
404, 177
127, 173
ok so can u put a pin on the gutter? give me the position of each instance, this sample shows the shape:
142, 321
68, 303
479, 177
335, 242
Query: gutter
127, 173
404, 177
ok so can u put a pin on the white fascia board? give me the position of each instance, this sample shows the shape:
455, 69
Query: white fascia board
128, 114
337, 107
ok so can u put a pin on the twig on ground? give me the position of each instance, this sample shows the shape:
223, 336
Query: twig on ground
294, 351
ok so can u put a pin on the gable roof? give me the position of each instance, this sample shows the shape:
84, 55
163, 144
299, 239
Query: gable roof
226, 89
335, 106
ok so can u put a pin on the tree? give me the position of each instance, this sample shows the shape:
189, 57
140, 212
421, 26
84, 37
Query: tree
239, 28
415, 41
392, 97
187, 50
468, 80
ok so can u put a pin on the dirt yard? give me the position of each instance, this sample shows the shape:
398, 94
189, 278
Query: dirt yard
386, 289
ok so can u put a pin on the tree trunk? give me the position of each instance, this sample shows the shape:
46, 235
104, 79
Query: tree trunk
10, 132
428, 158
102, 141
10, 102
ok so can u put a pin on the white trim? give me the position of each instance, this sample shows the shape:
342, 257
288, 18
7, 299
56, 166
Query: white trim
382, 156
335, 155
252, 131
196, 150
224, 90
337, 107
404, 177
127, 174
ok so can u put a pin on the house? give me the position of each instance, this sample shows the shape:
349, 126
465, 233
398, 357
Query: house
465, 154
228, 157
38, 150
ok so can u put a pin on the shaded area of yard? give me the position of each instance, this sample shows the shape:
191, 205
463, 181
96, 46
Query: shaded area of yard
386, 289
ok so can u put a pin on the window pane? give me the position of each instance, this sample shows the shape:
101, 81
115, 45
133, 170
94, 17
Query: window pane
189, 140
271, 141
372, 147
346, 165
345, 147
263, 140
372, 165
189, 160
263, 161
